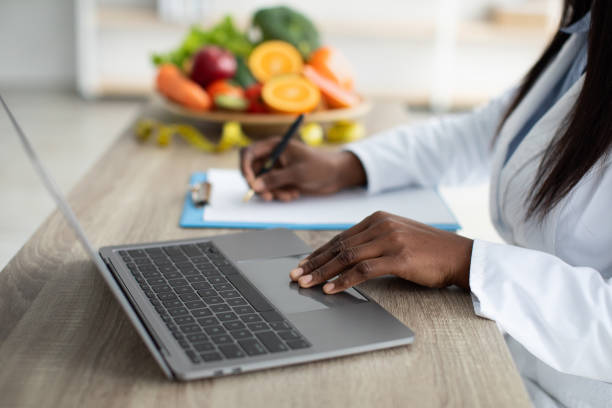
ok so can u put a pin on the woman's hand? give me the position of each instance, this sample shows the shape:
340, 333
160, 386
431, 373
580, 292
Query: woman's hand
299, 170
385, 244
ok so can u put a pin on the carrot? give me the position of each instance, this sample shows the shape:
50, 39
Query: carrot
175, 86
335, 95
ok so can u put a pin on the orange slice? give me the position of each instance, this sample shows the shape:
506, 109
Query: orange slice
290, 93
273, 58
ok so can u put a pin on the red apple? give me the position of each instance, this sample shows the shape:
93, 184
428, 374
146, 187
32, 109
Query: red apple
212, 63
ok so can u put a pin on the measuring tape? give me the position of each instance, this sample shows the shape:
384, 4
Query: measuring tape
231, 135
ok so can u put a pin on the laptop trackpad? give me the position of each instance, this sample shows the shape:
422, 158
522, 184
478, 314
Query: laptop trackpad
271, 276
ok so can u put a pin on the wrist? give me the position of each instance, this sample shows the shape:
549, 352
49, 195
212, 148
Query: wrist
349, 171
461, 277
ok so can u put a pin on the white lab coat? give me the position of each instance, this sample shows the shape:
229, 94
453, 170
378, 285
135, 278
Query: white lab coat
550, 286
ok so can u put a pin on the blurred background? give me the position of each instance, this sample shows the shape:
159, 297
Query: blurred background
76, 72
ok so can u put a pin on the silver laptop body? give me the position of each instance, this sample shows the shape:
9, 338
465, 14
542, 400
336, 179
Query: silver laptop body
252, 316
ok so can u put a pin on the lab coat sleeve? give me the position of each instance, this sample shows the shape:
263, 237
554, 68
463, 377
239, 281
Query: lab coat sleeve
449, 150
561, 313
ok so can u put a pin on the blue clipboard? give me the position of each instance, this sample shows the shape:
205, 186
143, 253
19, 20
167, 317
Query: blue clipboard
193, 217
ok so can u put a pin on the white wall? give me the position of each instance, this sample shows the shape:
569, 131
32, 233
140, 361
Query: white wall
37, 45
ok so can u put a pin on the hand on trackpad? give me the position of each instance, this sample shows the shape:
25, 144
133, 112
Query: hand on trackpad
272, 279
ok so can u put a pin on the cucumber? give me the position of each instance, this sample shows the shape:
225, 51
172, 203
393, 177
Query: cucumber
243, 75
231, 102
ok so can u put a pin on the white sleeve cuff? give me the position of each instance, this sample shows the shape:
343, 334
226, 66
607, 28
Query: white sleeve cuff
477, 277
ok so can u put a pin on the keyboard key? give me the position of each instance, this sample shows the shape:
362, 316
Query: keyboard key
252, 347
195, 304
151, 274
192, 356
214, 330
207, 293
222, 339
172, 304
229, 294
289, 335
298, 344
204, 347
137, 253
231, 351
236, 302
191, 250
210, 273
189, 297
235, 325
227, 316
198, 259
214, 300
250, 318
189, 272
272, 342
272, 316
280, 325
162, 289
179, 311
156, 281
190, 328
244, 309
200, 285
220, 308
208, 321
166, 268
200, 312
173, 275
241, 334
175, 283
177, 335
184, 344
149, 293
180, 320
248, 291
184, 289
196, 278
197, 337
217, 279
209, 357
223, 286
259, 326
228, 270
167, 296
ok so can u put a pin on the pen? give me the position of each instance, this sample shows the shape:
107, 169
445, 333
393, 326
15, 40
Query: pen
278, 150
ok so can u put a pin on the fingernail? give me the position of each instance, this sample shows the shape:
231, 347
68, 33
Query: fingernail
328, 287
305, 280
296, 273
259, 185
302, 262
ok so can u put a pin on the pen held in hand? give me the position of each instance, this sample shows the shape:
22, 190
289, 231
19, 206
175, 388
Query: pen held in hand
278, 150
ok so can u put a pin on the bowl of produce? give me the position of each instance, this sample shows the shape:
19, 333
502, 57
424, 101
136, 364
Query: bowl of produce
261, 77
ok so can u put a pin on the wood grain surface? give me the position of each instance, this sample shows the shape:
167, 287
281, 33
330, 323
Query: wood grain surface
64, 342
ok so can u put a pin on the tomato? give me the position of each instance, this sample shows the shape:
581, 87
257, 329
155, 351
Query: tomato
256, 104
224, 87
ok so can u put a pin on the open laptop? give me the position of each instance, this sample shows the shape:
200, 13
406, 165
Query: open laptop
224, 305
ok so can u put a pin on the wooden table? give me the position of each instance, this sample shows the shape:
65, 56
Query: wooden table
65, 342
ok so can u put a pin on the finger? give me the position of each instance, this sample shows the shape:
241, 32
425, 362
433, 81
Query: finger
285, 194
255, 152
313, 262
361, 272
355, 229
277, 179
343, 261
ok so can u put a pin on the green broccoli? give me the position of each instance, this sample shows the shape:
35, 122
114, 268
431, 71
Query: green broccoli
283, 23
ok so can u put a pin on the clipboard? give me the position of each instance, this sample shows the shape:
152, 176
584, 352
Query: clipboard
194, 216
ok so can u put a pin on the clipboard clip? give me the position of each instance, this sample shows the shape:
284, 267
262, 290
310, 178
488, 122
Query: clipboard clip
200, 193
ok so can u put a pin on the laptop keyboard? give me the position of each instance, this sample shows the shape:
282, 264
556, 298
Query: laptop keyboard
212, 311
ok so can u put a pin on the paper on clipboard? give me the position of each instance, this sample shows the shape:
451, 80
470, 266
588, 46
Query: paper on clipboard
340, 210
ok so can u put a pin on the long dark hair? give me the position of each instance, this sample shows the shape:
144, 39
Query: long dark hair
586, 135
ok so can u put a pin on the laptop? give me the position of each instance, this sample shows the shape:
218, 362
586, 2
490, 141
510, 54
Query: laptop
225, 305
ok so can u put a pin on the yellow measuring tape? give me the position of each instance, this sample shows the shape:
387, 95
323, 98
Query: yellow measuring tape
231, 135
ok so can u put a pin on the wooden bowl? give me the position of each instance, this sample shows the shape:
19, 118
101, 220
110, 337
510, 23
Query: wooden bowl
258, 125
